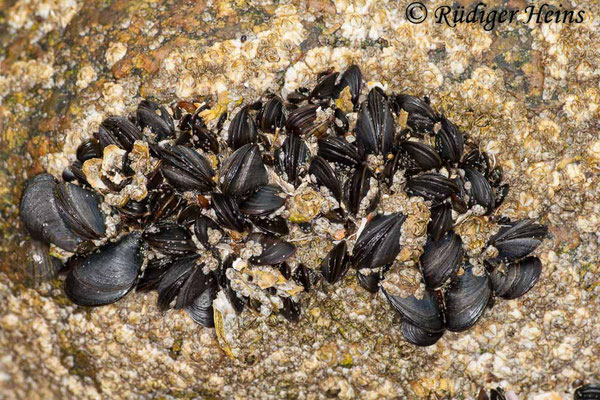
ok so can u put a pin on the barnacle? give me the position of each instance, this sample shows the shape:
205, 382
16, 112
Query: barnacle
208, 210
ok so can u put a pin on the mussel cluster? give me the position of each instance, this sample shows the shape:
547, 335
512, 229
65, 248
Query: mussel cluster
206, 209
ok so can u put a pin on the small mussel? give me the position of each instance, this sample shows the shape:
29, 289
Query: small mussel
221, 208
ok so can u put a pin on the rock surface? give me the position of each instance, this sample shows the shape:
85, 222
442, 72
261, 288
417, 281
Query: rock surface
529, 93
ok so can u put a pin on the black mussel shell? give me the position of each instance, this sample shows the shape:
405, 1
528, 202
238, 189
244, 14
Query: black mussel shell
243, 172
302, 121
89, 149
424, 313
501, 193
325, 176
325, 88
518, 239
481, 191
274, 225
292, 157
274, 251
80, 209
170, 239
587, 392
375, 128
74, 173
152, 275
204, 138
431, 186
466, 299
173, 280
369, 280
305, 277
423, 155
201, 309
106, 275
352, 77
449, 142
495, 394
379, 241
194, 286
163, 202
441, 220
356, 189
272, 115
291, 309
41, 216
516, 279
495, 176
340, 122
441, 259
187, 216
336, 263
478, 160
228, 212
242, 130
338, 150
264, 201
156, 118
118, 131
186, 169
202, 225
421, 117
419, 337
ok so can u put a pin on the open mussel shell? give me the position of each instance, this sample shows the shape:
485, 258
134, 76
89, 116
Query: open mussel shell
356, 189
375, 128
379, 242
481, 191
352, 78
228, 212
421, 154
292, 157
80, 209
431, 186
243, 172
264, 201
466, 299
186, 169
421, 117
41, 216
425, 313
118, 131
449, 142
518, 239
515, 279
419, 337
324, 175
441, 220
156, 118
441, 259
336, 263
272, 115
274, 251
242, 130
170, 239
106, 275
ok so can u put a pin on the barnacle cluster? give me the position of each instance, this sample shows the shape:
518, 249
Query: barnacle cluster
215, 213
